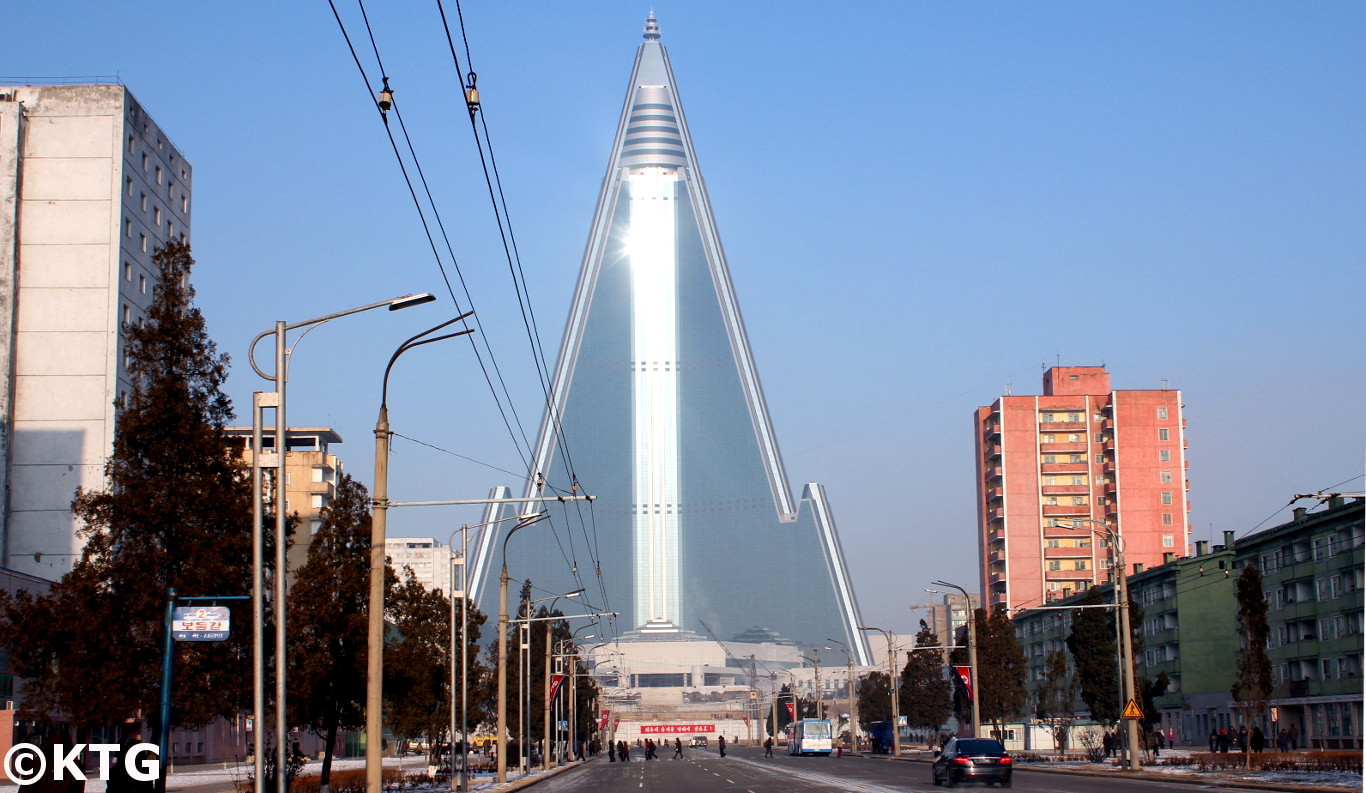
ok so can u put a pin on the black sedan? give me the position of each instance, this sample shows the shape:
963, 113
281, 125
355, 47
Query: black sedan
972, 760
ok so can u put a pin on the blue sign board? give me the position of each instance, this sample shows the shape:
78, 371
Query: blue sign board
200, 623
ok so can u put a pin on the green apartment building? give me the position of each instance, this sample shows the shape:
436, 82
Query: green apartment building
1312, 568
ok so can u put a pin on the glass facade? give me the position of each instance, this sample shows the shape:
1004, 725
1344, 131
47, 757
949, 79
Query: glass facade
658, 413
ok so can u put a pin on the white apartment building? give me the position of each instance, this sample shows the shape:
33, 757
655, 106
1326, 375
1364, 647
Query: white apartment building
429, 559
90, 186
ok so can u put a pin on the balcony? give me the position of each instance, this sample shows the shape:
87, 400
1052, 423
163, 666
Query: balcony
1063, 468
996, 578
991, 450
1058, 447
992, 472
995, 513
1066, 490
1108, 424
994, 492
996, 556
1067, 553
1066, 531
1061, 426
1058, 510
1068, 575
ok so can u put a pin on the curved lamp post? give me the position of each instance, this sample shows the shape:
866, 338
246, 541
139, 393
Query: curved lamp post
258, 461
972, 656
891, 683
374, 671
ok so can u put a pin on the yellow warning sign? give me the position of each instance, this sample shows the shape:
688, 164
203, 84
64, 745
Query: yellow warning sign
1132, 711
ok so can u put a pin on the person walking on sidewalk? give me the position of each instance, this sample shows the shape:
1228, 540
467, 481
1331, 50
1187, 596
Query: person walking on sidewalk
721, 744
678, 748
768, 746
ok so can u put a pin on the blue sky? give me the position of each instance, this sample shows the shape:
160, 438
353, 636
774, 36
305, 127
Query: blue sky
922, 204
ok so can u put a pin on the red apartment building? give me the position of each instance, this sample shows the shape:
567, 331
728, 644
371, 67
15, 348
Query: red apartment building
1046, 465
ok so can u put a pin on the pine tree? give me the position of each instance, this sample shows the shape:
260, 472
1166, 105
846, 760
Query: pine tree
417, 662
176, 513
874, 699
1253, 686
1001, 668
1092, 644
329, 605
924, 692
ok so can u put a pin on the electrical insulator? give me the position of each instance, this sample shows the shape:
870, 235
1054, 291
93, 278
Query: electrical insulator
472, 98
386, 99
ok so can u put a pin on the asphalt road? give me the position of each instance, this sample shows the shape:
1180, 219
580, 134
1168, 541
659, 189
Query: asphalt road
746, 770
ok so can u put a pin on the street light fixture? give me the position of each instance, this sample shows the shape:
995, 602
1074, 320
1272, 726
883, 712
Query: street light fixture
260, 401
853, 714
462, 782
891, 681
972, 656
374, 672
1127, 683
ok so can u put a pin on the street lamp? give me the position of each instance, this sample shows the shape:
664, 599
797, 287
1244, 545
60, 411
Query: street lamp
374, 672
891, 680
503, 650
462, 782
853, 714
975, 695
260, 401
1126, 648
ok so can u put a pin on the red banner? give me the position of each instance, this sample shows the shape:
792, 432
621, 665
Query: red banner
672, 729
556, 683
964, 674
605, 715
791, 712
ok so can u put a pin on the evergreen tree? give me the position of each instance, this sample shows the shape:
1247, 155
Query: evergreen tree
1092, 645
1253, 686
329, 605
1001, 668
175, 513
417, 663
924, 692
874, 699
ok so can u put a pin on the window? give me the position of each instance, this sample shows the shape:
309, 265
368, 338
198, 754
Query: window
158, 174
1074, 438
1167, 519
144, 162
1054, 544
127, 314
1320, 548
1049, 501
131, 144
317, 500
1080, 564
1168, 541
143, 242
1100, 437
128, 228
1164, 455
1166, 496
1165, 477
142, 284
1321, 589
1050, 458
170, 229
127, 271
1162, 413
1335, 586
1076, 458
128, 185
156, 216
1074, 417
1048, 418
143, 201
1078, 480
1078, 500
1055, 565
184, 203
1050, 438
1099, 459
1163, 434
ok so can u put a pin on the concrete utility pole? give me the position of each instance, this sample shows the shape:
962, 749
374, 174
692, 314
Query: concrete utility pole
853, 714
891, 680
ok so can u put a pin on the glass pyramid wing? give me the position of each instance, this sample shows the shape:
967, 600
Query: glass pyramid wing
658, 413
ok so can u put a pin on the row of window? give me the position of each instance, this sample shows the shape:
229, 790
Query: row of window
1053, 417
1326, 588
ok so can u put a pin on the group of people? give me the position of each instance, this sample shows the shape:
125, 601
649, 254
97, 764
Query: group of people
1241, 740
621, 752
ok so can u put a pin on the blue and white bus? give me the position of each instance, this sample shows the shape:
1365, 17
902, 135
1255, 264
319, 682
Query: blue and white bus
810, 736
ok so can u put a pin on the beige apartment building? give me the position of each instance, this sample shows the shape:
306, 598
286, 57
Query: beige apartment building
311, 474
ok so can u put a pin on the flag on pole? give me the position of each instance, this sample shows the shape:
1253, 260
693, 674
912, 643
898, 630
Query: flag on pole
791, 712
556, 682
965, 675
605, 715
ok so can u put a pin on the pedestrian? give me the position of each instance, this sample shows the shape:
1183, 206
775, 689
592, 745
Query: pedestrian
1294, 737
1242, 738
678, 748
1108, 743
1223, 741
1213, 740
768, 746
649, 749
1257, 739
623, 752
1171, 737
1283, 740
721, 744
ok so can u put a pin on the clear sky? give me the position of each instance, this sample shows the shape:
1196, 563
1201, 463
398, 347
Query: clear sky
922, 205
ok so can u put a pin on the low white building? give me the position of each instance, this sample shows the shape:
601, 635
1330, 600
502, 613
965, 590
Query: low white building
429, 560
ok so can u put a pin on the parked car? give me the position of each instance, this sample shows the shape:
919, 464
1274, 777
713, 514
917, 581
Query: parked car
698, 740
972, 760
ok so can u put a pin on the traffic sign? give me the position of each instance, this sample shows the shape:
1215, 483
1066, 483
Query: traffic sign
1132, 710
200, 623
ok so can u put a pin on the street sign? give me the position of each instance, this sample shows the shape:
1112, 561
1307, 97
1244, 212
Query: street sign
1132, 710
200, 623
